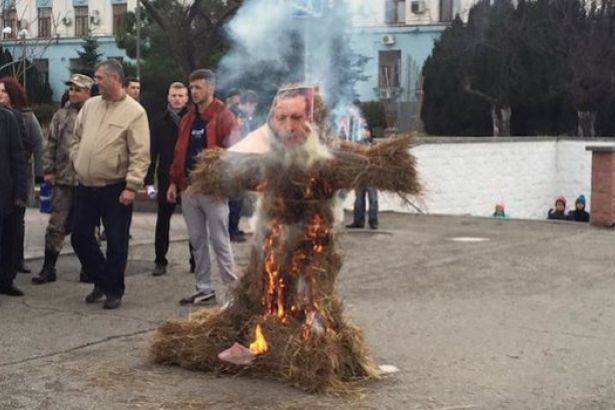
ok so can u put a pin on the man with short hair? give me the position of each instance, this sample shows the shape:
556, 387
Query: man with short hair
59, 172
110, 153
133, 87
14, 194
163, 137
233, 96
208, 125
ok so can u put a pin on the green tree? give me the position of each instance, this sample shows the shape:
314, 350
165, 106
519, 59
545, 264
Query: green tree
88, 58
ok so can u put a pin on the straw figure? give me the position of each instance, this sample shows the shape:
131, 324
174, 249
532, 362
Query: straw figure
285, 306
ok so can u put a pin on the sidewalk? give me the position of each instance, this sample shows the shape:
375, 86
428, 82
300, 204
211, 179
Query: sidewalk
143, 229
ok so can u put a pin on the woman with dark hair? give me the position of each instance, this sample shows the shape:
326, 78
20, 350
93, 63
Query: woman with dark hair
13, 96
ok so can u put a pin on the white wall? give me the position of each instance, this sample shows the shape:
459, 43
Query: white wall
526, 173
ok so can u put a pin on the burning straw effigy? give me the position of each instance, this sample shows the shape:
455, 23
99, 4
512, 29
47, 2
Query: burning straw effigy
286, 319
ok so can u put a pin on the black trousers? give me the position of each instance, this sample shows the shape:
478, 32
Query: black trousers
20, 235
91, 205
234, 214
163, 225
8, 247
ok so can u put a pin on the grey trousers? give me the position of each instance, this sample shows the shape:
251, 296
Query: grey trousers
207, 220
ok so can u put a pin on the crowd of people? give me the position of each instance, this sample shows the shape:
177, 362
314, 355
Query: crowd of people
100, 149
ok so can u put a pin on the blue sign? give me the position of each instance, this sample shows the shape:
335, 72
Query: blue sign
307, 8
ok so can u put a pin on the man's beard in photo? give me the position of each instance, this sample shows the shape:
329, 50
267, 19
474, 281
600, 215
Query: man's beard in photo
303, 155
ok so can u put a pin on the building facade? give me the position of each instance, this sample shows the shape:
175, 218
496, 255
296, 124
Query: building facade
397, 36
49, 33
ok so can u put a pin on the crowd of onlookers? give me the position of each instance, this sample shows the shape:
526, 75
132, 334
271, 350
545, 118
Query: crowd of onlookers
102, 147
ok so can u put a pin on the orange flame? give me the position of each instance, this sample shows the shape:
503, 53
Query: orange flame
259, 345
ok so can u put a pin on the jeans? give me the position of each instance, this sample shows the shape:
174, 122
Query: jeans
91, 205
234, 206
359, 206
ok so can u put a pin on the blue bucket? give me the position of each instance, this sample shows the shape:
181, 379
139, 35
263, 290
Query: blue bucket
45, 196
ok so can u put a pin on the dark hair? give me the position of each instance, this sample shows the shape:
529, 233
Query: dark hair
249, 96
64, 99
129, 80
233, 92
114, 67
16, 93
202, 74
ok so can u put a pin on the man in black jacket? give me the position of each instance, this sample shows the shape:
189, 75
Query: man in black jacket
163, 134
13, 196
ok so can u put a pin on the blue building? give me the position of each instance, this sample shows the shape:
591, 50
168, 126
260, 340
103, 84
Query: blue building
50, 33
397, 36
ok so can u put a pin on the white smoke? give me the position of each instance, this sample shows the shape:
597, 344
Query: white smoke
267, 34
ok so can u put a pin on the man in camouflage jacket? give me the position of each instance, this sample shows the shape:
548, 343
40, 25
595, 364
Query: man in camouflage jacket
59, 172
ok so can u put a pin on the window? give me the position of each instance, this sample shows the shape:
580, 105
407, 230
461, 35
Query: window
44, 22
446, 10
42, 69
395, 11
119, 18
9, 19
81, 21
389, 67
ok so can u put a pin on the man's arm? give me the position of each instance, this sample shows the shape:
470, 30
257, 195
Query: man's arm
37, 140
227, 125
153, 148
77, 134
17, 159
49, 153
138, 152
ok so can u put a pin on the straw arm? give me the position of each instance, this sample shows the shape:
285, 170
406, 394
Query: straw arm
222, 173
386, 166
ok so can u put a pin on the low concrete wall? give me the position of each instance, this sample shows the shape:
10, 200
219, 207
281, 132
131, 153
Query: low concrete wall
469, 175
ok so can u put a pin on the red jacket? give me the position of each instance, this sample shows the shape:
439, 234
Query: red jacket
220, 125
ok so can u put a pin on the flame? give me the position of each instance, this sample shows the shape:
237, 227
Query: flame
259, 345
274, 295
302, 301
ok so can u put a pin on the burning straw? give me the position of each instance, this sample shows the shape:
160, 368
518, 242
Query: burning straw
286, 321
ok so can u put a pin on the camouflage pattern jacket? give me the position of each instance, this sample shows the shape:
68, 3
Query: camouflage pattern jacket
56, 158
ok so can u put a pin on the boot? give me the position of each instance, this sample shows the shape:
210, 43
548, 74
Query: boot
48, 273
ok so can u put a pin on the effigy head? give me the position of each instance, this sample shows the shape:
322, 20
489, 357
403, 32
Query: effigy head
294, 131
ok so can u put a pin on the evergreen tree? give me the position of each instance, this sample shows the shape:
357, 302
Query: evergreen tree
89, 57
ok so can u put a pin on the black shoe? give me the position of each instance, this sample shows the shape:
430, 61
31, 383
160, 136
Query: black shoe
10, 290
24, 269
373, 226
199, 298
235, 237
112, 302
94, 296
159, 270
84, 277
355, 225
47, 275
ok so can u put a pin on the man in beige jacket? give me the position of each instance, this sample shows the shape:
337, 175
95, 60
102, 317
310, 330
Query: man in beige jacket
110, 153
